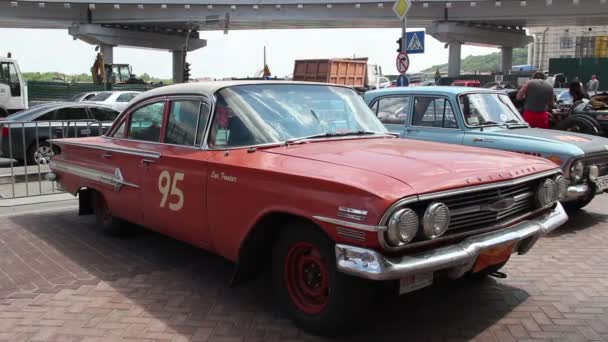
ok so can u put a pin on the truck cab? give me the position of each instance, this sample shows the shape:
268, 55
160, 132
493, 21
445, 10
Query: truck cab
13, 91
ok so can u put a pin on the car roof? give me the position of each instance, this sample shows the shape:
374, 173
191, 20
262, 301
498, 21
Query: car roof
439, 90
211, 87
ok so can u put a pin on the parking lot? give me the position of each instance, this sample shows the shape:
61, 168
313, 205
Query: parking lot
62, 280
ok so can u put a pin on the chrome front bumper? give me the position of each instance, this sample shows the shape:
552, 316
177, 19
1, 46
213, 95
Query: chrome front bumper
576, 192
456, 259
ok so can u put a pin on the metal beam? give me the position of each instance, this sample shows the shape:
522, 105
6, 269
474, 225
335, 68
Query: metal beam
263, 14
467, 33
98, 35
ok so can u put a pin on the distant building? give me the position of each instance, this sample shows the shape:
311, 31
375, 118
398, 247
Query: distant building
566, 42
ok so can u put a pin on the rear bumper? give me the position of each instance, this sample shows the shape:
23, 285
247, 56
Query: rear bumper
457, 259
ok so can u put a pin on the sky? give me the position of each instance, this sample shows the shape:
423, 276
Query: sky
236, 54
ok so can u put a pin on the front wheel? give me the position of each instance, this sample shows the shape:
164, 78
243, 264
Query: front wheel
41, 153
310, 289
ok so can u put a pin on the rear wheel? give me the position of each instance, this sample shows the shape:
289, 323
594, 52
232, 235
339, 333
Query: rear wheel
579, 124
107, 223
310, 289
41, 153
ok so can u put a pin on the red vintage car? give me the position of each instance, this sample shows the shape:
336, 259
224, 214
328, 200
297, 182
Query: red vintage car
303, 179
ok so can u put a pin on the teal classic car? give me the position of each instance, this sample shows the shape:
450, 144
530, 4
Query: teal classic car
488, 118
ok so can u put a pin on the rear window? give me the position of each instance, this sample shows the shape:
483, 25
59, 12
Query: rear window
126, 97
100, 97
103, 114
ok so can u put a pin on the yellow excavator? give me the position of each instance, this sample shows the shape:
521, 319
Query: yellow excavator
112, 73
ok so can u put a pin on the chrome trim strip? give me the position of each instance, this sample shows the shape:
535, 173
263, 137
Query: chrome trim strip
125, 150
489, 186
352, 211
457, 259
351, 224
115, 180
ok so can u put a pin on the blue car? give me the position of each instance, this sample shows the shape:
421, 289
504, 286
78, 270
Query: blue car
488, 118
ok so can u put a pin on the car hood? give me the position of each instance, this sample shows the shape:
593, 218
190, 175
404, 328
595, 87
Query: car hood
585, 142
424, 166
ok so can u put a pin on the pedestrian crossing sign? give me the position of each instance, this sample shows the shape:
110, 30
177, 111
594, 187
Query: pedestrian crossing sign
415, 42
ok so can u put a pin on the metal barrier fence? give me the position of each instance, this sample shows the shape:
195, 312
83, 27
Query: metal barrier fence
26, 150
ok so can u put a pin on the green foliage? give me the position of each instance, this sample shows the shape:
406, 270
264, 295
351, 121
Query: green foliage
483, 64
78, 78
57, 76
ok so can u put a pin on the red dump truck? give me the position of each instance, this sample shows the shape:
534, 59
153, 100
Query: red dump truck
354, 72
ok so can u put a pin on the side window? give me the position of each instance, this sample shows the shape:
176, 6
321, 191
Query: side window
71, 114
103, 114
146, 122
393, 110
228, 128
120, 131
125, 97
183, 121
45, 117
4, 73
433, 112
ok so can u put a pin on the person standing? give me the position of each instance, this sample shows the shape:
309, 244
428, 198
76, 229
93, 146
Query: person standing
538, 98
577, 92
593, 84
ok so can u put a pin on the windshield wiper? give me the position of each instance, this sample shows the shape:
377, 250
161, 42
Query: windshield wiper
515, 124
330, 135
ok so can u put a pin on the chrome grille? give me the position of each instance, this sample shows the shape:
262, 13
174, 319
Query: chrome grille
485, 208
600, 160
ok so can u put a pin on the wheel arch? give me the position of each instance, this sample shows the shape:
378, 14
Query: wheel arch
255, 252
86, 199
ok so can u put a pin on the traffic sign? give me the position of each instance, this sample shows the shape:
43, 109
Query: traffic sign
401, 7
403, 62
402, 81
415, 42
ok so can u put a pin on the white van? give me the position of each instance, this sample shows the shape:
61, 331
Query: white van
13, 89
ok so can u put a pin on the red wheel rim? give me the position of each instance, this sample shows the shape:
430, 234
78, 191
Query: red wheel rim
307, 278
102, 211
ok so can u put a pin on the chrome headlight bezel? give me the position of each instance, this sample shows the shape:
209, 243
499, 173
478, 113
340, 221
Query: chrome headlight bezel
562, 187
594, 172
402, 227
577, 171
547, 193
436, 220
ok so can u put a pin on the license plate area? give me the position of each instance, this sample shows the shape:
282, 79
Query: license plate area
493, 256
601, 183
415, 282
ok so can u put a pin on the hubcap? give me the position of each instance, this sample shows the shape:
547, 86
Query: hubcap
43, 154
307, 278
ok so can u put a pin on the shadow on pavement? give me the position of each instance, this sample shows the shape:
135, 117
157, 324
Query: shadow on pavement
579, 220
186, 288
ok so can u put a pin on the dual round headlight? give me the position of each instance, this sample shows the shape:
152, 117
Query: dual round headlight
562, 187
547, 193
577, 171
404, 225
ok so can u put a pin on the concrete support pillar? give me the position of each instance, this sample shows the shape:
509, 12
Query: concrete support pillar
108, 53
454, 59
179, 59
531, 53
506, 60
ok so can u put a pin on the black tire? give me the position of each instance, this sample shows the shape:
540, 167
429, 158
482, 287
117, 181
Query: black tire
340, 300
572, 206
105, 221
578, 124
593, 121
41, 153
3, 113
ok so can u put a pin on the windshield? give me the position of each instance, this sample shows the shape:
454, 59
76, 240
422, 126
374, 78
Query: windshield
488, 109
262, 114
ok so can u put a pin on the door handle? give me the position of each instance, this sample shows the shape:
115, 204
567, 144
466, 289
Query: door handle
107, 155
148, 161
482, 140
